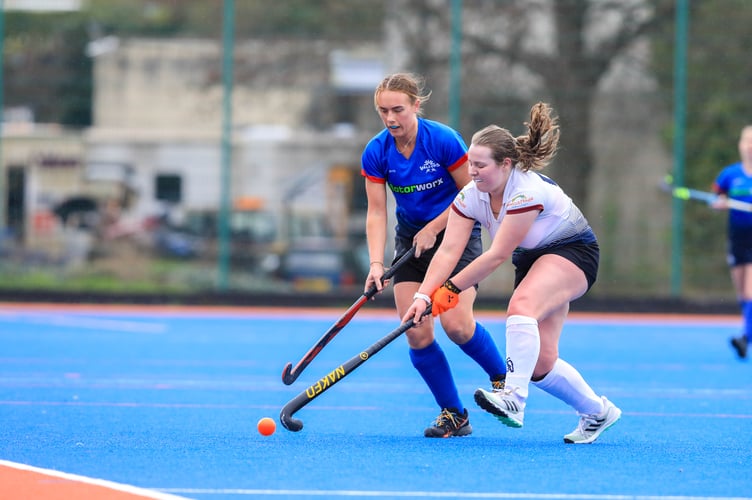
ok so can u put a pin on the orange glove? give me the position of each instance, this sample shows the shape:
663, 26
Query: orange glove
445, 298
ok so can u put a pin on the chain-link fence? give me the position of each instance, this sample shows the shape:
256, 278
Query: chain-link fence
175, 148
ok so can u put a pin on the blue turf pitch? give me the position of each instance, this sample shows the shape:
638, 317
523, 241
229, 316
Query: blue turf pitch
169, 400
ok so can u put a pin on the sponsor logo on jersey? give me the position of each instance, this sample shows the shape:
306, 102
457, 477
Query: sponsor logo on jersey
519, 201
416, 187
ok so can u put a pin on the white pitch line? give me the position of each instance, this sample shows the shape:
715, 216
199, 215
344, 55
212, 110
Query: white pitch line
74, 321
434, 494
133, 490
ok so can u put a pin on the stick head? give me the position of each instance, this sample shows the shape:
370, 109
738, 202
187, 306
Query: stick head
287, 376
291, 424
682, 193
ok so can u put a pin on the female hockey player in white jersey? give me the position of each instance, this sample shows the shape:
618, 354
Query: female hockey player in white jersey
555, 254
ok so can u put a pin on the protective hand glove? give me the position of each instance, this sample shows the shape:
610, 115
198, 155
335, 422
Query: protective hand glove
445, 298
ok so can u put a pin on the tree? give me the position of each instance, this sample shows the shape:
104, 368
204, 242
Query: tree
516, 51
46, 68
718, 105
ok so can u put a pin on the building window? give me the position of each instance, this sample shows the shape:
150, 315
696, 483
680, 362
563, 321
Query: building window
169, 188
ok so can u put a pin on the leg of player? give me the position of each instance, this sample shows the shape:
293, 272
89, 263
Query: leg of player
523, 347
429, 360
473, 338
596, 413
741, 276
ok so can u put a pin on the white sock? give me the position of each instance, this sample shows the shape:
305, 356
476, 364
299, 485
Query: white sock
523, 347
565, 382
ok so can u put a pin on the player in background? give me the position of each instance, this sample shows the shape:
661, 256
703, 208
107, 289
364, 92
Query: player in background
735, 182
424, 164
555, 254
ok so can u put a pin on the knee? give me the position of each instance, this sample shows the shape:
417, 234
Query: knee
522, 305
420, 336
459, 329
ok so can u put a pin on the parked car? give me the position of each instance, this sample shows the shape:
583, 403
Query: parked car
323, 264
178, 243
252, 235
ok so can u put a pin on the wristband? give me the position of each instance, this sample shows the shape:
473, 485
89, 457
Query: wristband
452, 287
422, 296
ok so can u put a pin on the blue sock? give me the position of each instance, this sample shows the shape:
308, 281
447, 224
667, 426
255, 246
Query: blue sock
747, 314
482, 348
433, 366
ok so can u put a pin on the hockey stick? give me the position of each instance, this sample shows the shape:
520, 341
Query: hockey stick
342, 371
685, 193
289, 374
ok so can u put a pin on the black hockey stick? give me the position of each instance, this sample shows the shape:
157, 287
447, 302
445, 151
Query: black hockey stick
342, 371
290, 374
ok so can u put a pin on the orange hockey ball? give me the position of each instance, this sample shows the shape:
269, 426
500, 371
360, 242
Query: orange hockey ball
266, 426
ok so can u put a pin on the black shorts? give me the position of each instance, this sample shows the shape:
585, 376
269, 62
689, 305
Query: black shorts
739, 248
584, 255
414, 270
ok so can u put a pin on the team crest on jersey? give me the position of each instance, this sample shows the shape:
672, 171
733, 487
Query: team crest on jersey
461, 199
429, 166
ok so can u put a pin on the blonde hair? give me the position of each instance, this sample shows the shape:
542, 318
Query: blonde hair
409, 84
532, 151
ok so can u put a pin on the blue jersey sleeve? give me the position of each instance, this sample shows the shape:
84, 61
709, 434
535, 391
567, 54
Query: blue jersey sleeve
733, 182
373, 159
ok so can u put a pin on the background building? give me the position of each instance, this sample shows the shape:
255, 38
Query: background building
135, 94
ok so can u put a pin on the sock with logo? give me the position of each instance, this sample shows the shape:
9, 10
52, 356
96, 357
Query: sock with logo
523, 347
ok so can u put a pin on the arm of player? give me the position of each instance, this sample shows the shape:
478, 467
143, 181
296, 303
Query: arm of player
513, 229
445, 259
